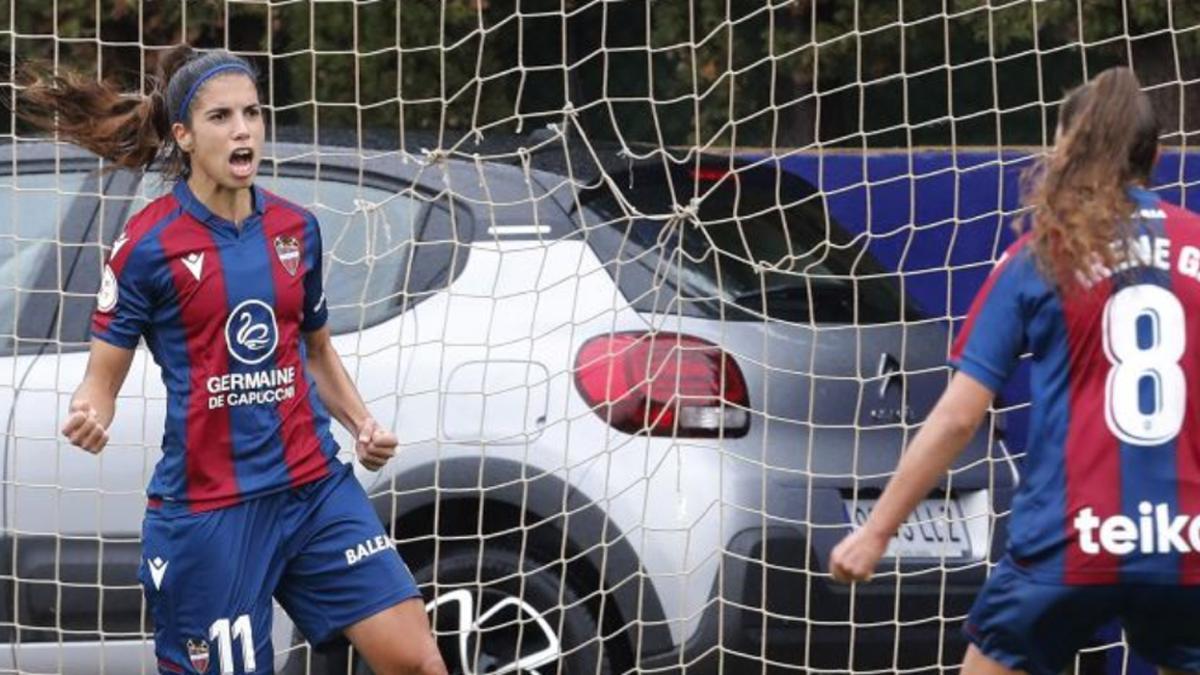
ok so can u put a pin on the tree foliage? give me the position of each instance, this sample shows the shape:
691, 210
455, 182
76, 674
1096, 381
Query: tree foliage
754, 73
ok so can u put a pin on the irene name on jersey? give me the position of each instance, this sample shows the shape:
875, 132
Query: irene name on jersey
1148, 251
264, 386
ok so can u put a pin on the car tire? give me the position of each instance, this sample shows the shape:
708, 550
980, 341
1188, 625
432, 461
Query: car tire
525, 600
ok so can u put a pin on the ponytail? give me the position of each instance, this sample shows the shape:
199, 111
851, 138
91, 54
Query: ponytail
1108, 141
130, 131
95, 115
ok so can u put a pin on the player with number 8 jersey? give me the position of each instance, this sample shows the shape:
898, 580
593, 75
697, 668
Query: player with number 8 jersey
222, 280
1117, 492
1103, 293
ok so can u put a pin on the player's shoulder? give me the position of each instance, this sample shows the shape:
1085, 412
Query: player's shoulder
1018, 255
275, 204
1179, 225
1179, 216
140, 229
156, 213
1016, 271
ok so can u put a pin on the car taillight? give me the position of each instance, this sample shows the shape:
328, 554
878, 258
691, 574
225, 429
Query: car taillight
709, 173
663, 384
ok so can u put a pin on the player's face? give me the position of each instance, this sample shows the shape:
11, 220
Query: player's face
226, 133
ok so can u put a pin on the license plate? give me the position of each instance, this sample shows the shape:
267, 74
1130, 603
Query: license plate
937, 528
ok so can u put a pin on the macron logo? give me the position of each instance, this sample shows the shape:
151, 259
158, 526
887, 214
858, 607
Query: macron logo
1155, 531
158, 569
195, 263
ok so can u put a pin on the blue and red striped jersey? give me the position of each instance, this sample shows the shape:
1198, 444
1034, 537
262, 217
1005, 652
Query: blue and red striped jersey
222, 310
1110, 485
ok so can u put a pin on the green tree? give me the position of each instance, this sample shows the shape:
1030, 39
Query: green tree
753, 73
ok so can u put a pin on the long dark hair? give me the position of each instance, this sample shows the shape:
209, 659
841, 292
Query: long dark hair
1078, 195
130, 131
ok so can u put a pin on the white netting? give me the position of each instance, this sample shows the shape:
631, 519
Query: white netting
652, 291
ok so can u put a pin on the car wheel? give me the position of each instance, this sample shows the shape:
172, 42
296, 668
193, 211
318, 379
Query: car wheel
505, 614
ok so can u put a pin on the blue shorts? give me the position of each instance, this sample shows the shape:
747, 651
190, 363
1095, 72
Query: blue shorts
209, 577
1038, 627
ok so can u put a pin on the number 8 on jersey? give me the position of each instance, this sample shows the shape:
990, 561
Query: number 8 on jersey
1144, 340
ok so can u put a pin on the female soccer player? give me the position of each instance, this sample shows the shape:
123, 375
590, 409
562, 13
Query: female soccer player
223, 281
1104, 291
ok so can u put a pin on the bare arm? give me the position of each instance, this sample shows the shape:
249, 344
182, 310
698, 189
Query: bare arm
334, 386
945, 433
94, 402
373, 445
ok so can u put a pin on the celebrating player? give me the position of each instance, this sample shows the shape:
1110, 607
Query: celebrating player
223, 281
1104, 292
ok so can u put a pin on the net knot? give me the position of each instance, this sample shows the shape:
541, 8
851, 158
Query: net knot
365, 205
435, 156
689, 212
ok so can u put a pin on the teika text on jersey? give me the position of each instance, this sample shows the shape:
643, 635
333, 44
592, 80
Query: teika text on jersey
1155, 530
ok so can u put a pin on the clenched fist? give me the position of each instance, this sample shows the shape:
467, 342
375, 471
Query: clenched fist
374, 445
855, 557
83, 427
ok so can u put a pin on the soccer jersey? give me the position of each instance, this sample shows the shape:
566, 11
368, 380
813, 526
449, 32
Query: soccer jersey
222, 311
1110, 486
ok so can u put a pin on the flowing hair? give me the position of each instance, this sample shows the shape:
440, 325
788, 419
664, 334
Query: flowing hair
1078, 195
131, 131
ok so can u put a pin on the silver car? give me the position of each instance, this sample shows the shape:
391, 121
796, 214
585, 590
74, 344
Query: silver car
638, 403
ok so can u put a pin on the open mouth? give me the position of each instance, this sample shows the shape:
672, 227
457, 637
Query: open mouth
242, 162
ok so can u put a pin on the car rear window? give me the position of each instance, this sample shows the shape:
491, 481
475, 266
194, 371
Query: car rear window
747, 255
33, 207
366, 233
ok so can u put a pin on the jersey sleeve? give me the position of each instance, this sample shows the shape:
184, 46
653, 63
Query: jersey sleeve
123, 304
316, 313
993, 336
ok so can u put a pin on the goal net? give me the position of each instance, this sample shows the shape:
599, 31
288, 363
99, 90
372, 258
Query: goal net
653, 293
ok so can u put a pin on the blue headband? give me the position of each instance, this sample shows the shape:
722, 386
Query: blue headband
208, 74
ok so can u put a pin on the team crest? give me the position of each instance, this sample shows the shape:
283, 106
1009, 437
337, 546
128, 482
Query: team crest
288, 250
198, 654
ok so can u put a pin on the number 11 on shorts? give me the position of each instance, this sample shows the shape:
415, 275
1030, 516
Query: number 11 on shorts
223, 634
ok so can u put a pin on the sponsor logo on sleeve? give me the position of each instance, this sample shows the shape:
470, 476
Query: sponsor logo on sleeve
106, 299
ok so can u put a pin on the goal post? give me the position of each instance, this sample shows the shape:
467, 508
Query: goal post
653, 293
